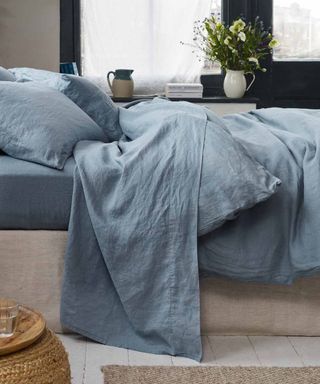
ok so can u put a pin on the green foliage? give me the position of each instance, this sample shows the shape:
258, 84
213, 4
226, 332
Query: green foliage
240, 46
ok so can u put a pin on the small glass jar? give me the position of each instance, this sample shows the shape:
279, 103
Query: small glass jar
9, 311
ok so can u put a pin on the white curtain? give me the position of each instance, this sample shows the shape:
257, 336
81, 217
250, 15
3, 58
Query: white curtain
143, 35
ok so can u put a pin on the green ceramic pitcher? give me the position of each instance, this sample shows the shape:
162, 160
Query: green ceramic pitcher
122, 84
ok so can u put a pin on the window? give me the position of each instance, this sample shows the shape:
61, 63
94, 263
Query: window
146, 34
208, 67
297, 27
143, 35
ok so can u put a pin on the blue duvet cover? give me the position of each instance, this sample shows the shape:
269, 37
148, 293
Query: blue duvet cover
139, 205
278, 240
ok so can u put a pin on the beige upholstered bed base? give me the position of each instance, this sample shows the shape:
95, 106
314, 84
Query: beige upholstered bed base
31, 265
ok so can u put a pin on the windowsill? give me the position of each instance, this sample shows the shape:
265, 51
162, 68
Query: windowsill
215, 99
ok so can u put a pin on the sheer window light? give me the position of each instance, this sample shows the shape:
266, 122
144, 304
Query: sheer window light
297, 27
143, 35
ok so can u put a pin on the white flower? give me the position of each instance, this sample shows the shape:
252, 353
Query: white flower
237, 26
242, 36
233, 29
253, 60
274, 43
227, 40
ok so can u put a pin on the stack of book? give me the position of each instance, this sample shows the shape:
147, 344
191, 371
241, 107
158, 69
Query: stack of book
184, 90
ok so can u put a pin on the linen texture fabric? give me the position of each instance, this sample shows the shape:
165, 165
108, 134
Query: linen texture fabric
5, 75
41, 125
275, 241
132, 258
88, 96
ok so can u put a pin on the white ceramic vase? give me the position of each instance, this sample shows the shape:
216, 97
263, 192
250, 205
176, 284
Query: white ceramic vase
235, 84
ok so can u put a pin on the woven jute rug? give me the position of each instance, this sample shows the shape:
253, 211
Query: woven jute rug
117, 374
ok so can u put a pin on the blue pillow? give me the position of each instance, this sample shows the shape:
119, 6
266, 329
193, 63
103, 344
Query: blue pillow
41, 125
5, 75
89, 97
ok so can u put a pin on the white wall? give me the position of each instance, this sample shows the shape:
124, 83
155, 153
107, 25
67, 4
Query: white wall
29, 33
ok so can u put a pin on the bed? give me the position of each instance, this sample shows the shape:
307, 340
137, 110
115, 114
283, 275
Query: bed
161, 192
35, 205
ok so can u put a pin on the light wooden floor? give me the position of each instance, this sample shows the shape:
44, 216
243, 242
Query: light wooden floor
86, 357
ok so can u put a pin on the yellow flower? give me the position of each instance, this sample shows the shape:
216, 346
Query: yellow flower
274, 43
242, 36
237, 26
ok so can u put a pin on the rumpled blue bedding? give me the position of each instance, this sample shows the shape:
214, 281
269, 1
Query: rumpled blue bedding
131, 269
176, 194
278, 240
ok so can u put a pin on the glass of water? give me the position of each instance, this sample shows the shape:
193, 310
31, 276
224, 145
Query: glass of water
9, 311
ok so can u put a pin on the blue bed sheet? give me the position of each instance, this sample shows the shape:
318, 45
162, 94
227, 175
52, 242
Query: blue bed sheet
131, 265
33, 196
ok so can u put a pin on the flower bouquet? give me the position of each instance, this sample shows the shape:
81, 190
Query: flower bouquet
238, 48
